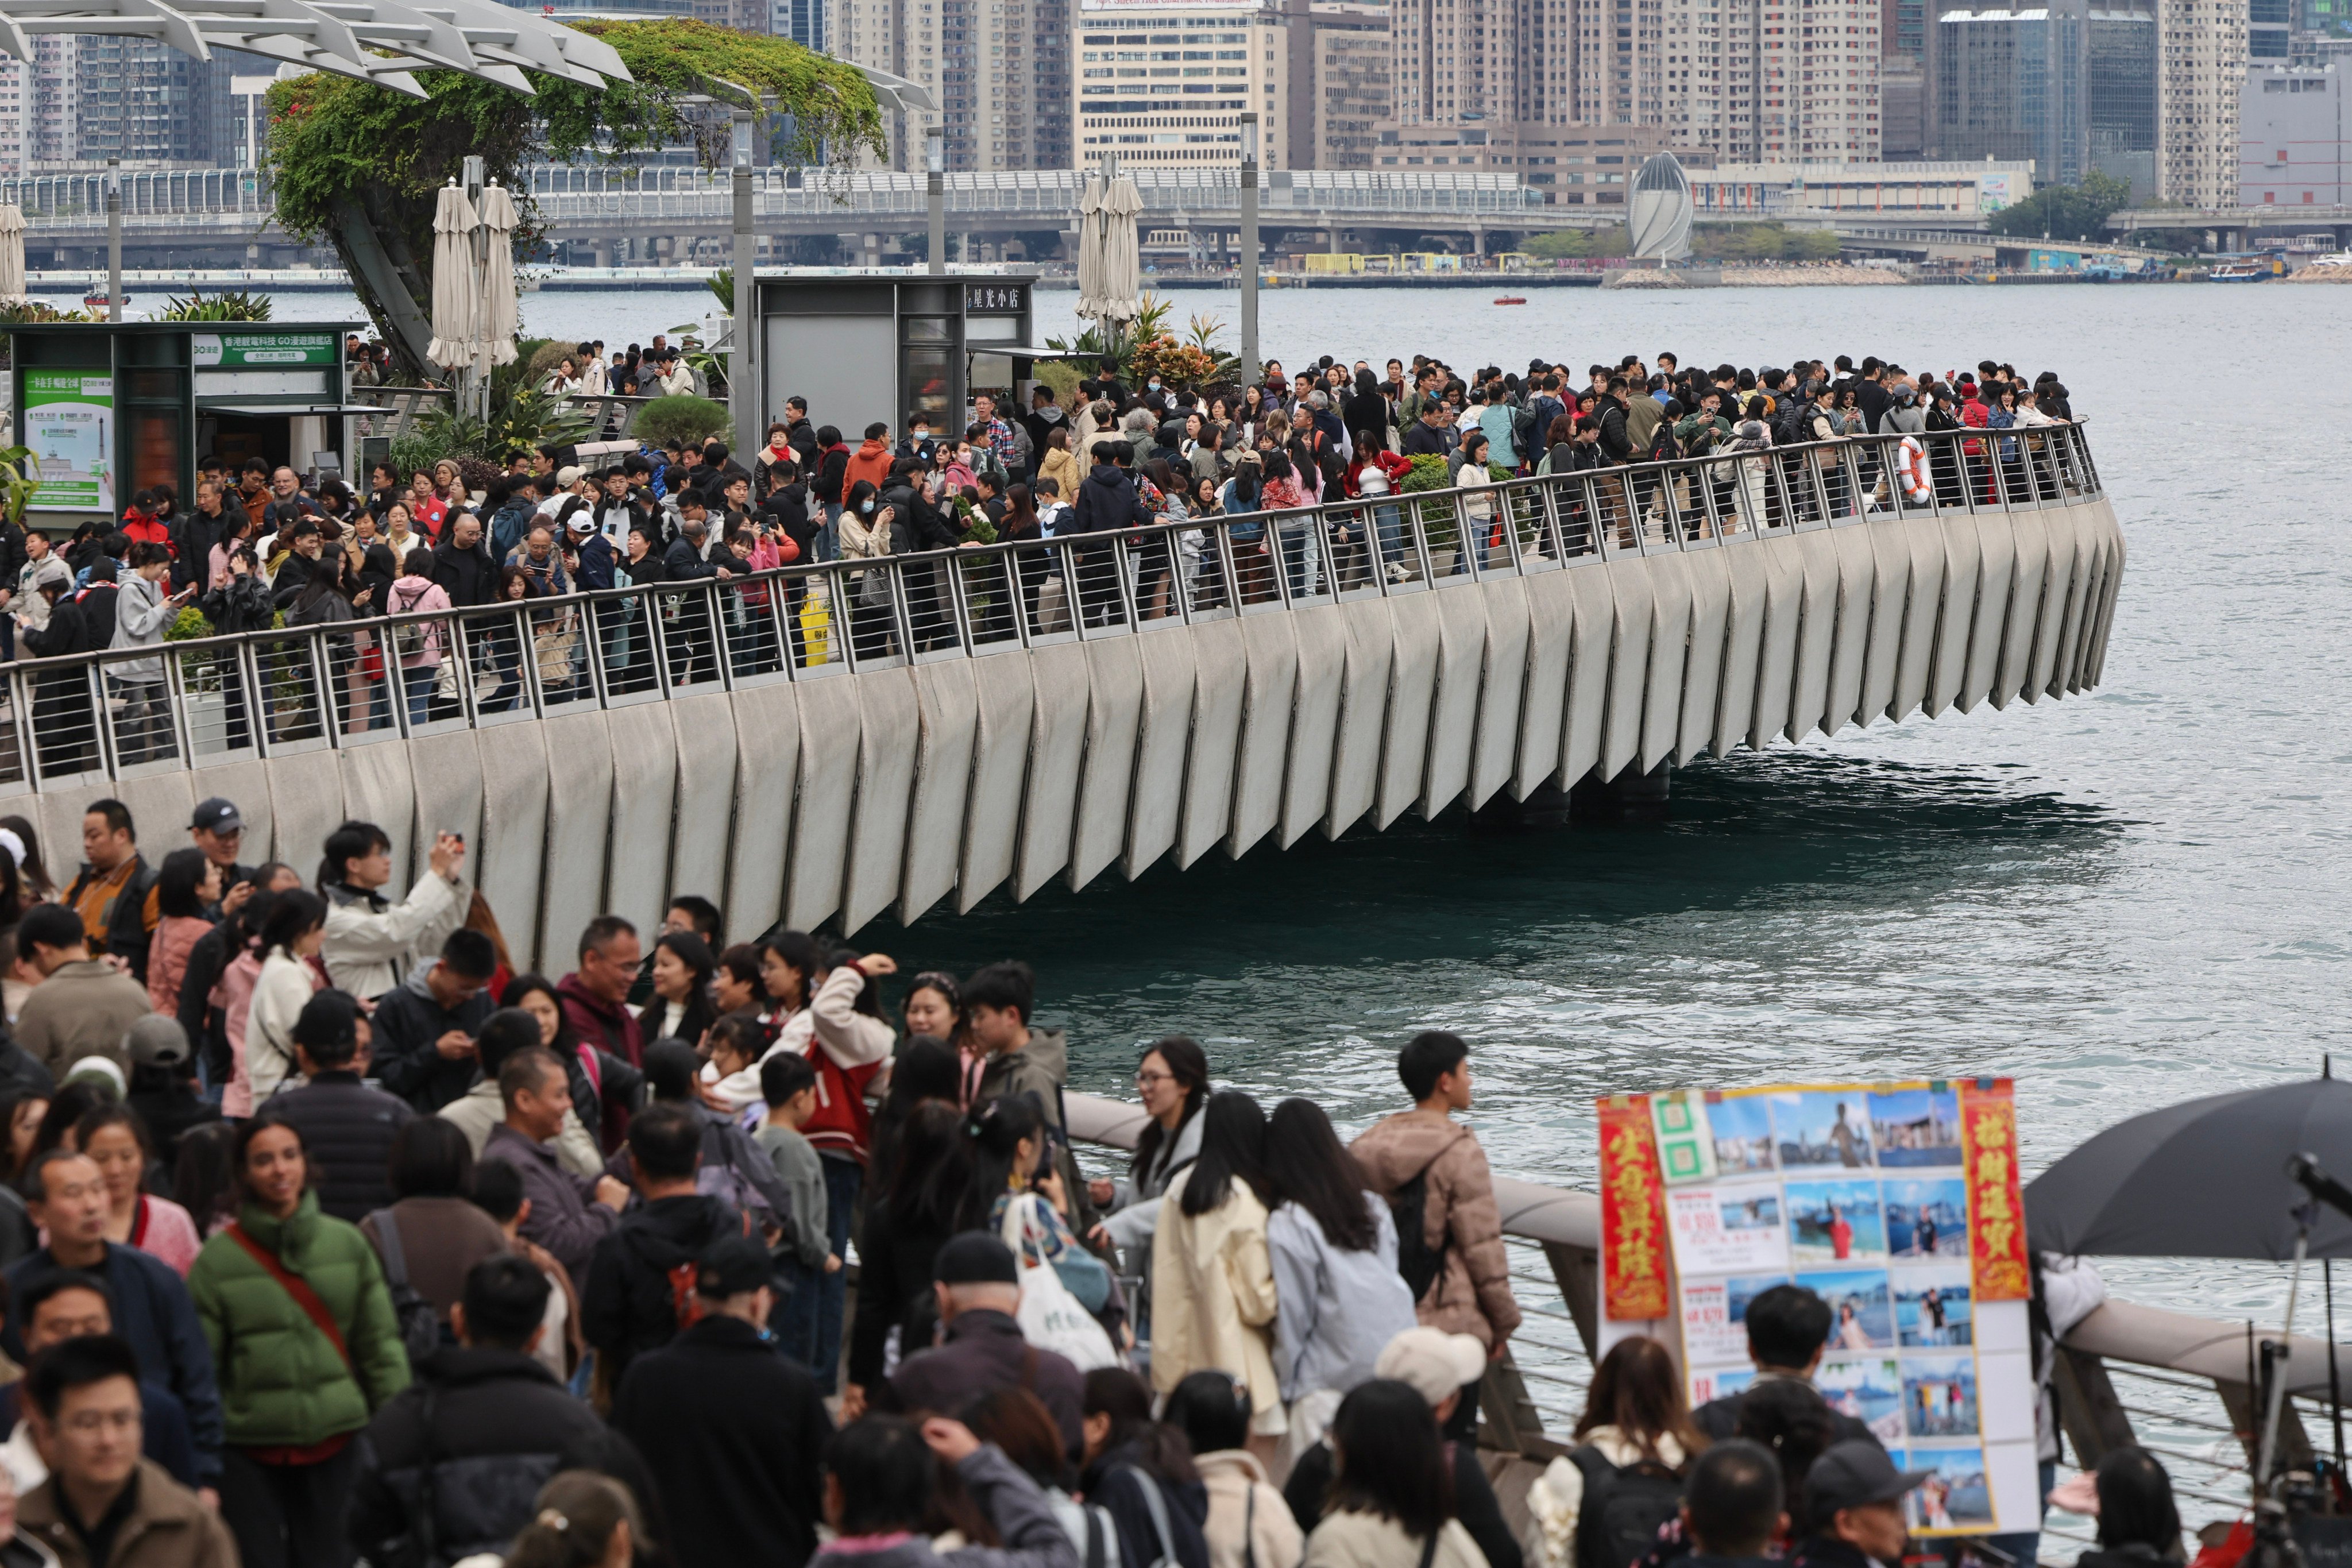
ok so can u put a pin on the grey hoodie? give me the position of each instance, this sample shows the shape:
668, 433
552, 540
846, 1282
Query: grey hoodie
1024, 1517
1039, 1069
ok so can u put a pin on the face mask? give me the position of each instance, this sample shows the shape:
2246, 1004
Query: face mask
867, 507
1155, 385
922, 433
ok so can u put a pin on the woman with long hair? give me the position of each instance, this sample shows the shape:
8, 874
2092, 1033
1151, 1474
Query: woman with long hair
1391, 1490
1635, 1419
926, 1070
1212, 1302
284, 980
116, 1139
302, 1327
1008, 1147
934, 1006
912, 1213
1128, 1451
680, 1007
1172, 1082
1334, 1249
31, 877
189, 882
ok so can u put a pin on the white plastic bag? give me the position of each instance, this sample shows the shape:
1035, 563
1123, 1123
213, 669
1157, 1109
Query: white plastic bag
1051, 1318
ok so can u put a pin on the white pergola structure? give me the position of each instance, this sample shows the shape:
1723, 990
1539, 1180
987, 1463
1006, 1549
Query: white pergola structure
382, 41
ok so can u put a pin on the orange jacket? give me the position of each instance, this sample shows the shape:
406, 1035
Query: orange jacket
870, 462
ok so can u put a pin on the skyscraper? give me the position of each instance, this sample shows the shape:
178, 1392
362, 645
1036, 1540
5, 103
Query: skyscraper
1000, 70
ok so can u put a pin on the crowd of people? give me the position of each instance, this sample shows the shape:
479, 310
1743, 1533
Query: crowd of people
1127, 481
329, 1237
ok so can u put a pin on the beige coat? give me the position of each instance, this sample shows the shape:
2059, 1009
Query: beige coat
1212, 1294
1233, 1476
1368, 1541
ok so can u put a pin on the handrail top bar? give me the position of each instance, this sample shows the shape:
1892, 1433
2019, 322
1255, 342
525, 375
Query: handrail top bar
553, 604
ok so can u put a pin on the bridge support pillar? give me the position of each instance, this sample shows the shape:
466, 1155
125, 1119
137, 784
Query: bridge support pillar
1632, 797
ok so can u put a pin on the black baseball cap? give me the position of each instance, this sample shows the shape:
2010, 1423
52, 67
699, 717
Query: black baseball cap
975, 1257
733, 1267
1853, 1474
218, 815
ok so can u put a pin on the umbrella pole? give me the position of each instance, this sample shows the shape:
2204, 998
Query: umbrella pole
2267, 1453
2335, 1379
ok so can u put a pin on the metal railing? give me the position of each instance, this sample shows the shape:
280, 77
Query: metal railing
300, 687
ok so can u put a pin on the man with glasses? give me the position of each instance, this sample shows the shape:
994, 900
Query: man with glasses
85, 1417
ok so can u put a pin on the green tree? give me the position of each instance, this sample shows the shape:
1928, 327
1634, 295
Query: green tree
2065, 212
1578, 244
362, 166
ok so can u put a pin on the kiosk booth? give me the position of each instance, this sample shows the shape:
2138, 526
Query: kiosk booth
882, 346
111, 408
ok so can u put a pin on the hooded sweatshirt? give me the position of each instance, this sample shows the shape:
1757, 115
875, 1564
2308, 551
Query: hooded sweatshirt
1039, 1069
629, 1305
870, 462
408, 1023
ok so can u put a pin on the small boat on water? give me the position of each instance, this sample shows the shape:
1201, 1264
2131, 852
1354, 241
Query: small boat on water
95, 299
1511, 299
2242, 272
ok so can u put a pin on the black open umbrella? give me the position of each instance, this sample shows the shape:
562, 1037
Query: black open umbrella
2206, 1178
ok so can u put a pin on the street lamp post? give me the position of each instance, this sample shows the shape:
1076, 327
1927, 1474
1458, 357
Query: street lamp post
114, 239
935, 189
1249, 248
742, 363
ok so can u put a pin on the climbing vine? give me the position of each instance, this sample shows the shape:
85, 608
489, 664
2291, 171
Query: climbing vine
358, 164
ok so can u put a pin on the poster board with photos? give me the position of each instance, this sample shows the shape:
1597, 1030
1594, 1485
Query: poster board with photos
1899, 1202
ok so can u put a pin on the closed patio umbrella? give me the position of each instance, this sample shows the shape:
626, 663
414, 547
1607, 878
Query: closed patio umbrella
12, 252
1122, 255
1090, 249
501, 315
457, 318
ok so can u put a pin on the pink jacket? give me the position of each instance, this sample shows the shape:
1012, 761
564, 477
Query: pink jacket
234, 996
413, 594
167, 959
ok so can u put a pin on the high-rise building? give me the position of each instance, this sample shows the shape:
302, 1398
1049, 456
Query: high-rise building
17, 116
2293, 138
1342, 82
999, 70
2131, 88
144, 102
1165, 85
57, 99
801, 21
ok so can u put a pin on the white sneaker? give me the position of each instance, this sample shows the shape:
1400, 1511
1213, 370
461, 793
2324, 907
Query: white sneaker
1397, 573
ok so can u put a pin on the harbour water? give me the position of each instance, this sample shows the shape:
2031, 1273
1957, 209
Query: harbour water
2123, 899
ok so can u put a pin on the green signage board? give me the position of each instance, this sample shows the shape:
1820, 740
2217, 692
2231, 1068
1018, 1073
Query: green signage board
259, 351
68, 423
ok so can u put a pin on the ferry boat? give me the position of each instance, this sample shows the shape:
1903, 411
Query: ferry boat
95, 299
2244, 269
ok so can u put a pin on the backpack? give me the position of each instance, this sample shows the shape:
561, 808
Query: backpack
1419, 1262
685, 1300
1525, 436
1624, 1508
420, 1325
408, 641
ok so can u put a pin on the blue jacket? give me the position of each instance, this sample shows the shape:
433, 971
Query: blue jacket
153, 1310
597, 559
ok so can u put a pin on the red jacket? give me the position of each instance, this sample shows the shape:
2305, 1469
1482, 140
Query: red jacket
1388, 463
141, 529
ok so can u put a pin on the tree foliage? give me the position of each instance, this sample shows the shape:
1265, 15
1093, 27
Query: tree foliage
1578, 244
347, 155
232, 305
2066, 211
1763, 242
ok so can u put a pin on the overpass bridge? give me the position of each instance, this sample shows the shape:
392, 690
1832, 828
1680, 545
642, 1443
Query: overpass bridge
591, 213
1002, 716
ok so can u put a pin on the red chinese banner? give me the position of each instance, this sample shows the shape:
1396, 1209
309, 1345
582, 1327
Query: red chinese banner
1996, 1206
1633, 1271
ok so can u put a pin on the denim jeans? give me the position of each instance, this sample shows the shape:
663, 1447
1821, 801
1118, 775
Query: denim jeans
843, 1179
794, 1321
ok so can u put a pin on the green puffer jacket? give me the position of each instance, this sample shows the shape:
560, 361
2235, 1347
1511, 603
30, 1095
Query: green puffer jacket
281, 1382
